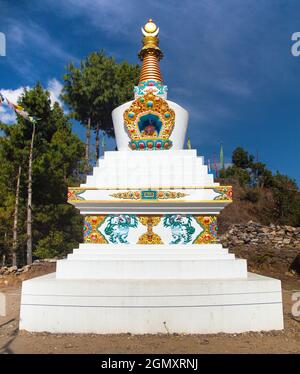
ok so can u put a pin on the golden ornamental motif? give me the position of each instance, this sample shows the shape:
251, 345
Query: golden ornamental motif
91, 230
74, 194
150, 53
128, 195
149, 220
149, 118
224, 193
210, 229
150, 26
159, 195
149, 237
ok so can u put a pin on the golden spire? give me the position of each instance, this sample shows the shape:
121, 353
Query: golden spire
150, 53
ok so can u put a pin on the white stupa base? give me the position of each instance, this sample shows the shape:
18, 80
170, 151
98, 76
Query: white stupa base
151, 306
92, 261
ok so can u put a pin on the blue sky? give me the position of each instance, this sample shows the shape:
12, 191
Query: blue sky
228, 62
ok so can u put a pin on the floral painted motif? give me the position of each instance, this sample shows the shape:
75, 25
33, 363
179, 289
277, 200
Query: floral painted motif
118, 226
210, 229
128, 195
91, 230
155, 86
150, 237
142, 195
74, 194
213, 228
224, 193
181, 226
87, 229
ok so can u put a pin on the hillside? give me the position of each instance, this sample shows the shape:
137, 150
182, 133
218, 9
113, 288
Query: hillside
242, 210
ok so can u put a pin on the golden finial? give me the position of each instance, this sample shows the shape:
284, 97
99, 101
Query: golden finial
150, 53
150, 26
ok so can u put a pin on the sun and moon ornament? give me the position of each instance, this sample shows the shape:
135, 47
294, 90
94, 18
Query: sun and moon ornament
149, 120
150, 53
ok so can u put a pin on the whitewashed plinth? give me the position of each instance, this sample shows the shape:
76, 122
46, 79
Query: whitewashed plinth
151, 306
145, 288
92, 261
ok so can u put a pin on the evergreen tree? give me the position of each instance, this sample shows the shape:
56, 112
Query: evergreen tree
254, 177
94, 89
287, 200
57, 157
241, 158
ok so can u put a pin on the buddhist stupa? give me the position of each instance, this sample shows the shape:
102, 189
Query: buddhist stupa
151, 261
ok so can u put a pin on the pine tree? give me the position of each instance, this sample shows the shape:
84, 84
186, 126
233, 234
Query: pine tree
94, 89
57, 161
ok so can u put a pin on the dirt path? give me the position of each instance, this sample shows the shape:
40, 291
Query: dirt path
13, 341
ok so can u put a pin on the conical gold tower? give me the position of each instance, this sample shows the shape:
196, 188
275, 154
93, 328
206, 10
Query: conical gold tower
150, 54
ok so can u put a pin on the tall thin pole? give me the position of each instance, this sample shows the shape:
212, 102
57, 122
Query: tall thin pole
97, 141
103, 143
29, 201
87, 146
222, 164
215, 165
208, 165
15, 227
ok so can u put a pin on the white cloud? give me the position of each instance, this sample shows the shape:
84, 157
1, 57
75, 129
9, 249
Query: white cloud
13, 95
29, 34
8, 116
112, 16
54, 87
234, 87
33, 41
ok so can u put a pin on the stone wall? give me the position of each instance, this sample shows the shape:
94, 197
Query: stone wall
253, 233
270, 247
8, 270
11, 275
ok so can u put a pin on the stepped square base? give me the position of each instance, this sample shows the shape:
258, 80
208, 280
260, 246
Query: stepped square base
148, 306
92, 261
150, 262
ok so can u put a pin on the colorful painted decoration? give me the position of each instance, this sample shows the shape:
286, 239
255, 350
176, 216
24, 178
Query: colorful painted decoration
150, 237
74, 194
150, 85
210, 230
152, 145
128, 195
149, 122
91, 232
160, 229
148, 195
118, 226
224, 193
181, 226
